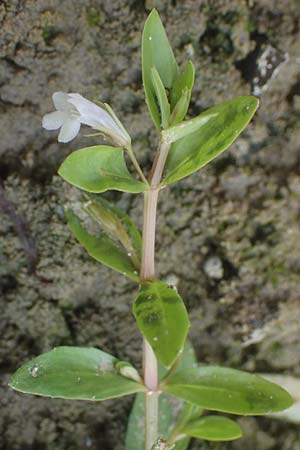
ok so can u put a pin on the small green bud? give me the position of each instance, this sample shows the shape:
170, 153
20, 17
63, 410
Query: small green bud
127, 370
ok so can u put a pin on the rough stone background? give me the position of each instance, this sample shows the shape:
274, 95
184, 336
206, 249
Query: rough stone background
229, 235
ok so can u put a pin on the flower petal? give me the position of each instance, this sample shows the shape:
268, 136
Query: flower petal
60, 100
54, 120
69, 130
92, 114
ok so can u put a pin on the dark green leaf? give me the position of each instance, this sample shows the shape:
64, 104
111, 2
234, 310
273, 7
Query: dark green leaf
227, 390
213, 428
169, 407
156, 52
103, 248
201, 139
162, 318
98, 169
74, 373
161, 96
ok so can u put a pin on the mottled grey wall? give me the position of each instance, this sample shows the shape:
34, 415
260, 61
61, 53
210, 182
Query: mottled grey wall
229, 235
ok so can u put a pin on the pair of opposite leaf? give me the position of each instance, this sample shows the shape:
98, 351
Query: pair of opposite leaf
194, 142
158, 308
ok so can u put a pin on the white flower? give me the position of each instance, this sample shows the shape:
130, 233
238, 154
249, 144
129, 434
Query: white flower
72, 110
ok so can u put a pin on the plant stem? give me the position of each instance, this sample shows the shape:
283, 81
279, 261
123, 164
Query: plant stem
147, 273
148, 248
149, 359
151, 396
159, 163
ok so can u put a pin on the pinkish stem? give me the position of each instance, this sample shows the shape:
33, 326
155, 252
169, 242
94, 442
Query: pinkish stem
148, 273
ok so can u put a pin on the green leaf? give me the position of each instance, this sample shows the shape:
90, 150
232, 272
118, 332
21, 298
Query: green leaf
227, 390
292, 385
74, 373
181, 107
135, 438
156, 52
162, 318
120, 226
181, 94
99, 168
186, 360
187, 413
213, 428
161, 96
169, 408
183, 444
102, 248
203, 138
184, 80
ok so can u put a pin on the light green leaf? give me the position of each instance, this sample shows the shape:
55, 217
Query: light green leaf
156, 52
181, 107
186, 360
188, 412
135, 434
102, 248
292, 385
183, 444
162, 318
161, 96
74, 373
121, 226
227, 390
203, 138
181, 93
184, 80
169, 408
213, 428
98, 169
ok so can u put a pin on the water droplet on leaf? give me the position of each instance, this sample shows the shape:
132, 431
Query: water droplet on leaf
34, 370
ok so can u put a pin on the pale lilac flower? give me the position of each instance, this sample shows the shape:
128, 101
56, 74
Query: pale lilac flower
72, 110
